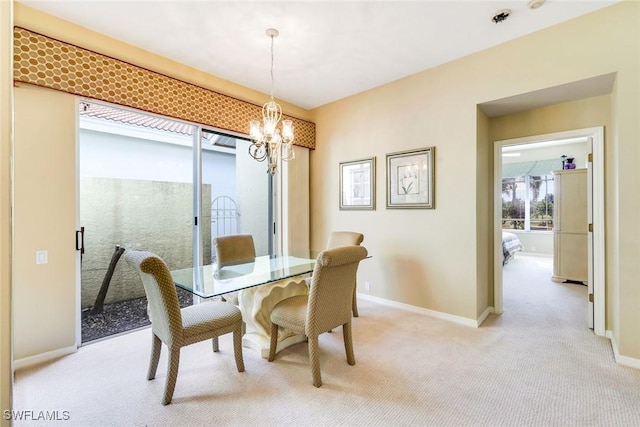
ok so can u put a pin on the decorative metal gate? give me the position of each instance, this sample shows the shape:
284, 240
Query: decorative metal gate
225, 218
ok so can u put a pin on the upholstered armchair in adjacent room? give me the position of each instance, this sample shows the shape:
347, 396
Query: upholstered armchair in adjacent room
178, 327
327, 306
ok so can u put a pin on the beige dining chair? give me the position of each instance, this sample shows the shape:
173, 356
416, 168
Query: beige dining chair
345, 238
178, 327
327, 305
234, 249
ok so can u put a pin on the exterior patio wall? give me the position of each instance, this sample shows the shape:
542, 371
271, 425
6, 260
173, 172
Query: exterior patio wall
150, 215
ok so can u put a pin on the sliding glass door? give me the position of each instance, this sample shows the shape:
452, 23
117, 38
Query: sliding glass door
237, 190
161, 185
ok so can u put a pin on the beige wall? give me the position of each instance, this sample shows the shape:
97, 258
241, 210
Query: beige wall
295, 209
436, 259
583, 113
44, 219
484, 214
425, 258
6, 107
537, 243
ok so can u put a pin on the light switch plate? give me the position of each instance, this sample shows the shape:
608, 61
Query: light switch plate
42, 257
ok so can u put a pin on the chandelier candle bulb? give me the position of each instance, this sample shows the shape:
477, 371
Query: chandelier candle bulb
255, 130
287, 130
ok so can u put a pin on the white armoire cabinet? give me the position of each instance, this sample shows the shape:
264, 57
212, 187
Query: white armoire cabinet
570, 226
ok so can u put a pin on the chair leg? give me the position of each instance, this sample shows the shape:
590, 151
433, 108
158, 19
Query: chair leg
172, 374
156, 348
354, 304
348, 343
314, 360
273, 344
215, 343
237, 348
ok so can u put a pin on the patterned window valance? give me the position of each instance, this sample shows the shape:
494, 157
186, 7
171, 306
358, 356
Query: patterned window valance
53, 64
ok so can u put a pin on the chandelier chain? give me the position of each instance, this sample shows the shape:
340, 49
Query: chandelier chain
272, 78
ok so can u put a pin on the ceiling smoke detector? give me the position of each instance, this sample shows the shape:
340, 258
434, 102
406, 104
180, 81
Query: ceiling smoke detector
501, 15
534, 4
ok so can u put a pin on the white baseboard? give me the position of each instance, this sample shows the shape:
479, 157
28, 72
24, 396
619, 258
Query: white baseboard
621, 360
538, 254
484, 316
432, 313
43, 357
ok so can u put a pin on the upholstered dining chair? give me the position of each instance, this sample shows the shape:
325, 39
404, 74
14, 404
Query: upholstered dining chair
345, 238
178, 327
327, 306
234, 249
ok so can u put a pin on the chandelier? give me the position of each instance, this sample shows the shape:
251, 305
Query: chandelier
267, 141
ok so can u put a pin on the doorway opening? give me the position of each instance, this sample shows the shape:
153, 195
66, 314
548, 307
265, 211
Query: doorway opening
523, 166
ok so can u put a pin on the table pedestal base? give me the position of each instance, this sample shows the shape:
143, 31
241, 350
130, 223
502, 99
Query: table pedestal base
260, 343
256, 305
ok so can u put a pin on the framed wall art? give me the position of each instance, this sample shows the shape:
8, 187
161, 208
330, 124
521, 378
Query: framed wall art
410, 179
358, 184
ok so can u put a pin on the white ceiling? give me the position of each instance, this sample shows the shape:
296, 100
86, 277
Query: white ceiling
326, 50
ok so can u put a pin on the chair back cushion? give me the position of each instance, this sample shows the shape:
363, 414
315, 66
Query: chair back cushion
234, 249
332, 286
344, 238
166, 319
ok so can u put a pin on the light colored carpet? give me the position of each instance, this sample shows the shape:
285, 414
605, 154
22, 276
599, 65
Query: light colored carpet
536, 365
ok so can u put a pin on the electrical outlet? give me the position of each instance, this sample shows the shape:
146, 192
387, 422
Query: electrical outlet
367, 286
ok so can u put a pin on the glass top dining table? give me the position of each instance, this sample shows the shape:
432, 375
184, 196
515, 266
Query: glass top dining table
209, 281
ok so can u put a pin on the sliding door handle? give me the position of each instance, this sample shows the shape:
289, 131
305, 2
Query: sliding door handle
80, 240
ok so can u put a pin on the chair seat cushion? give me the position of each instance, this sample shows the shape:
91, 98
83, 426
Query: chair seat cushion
201, 318
291, 313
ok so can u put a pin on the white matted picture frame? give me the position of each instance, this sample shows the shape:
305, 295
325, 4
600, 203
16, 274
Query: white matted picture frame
410, 179
358, 184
